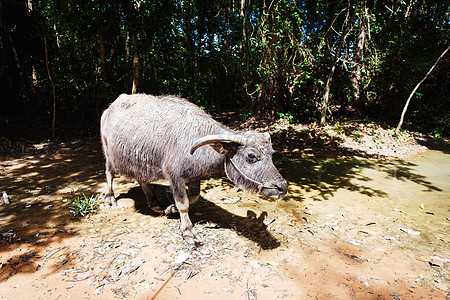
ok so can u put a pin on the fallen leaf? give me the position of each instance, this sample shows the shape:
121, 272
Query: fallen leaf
410, 231
424, 258
334, 223
389, 238
182, 257
82, 276
353, 242
268, 221
272, 263
354, 257
436, 263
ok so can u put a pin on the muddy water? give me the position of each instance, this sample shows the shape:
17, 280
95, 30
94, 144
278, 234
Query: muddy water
409, 199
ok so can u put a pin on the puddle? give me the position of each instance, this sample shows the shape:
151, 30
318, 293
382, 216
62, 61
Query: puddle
413, 193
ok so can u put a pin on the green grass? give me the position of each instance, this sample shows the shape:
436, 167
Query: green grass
85, 206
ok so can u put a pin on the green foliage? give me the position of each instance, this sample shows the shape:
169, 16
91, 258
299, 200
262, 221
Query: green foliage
285, 116
339, 129
276, 65
245, 115
85, 206
356, 135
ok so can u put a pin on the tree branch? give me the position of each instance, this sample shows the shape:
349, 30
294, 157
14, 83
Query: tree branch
415, 89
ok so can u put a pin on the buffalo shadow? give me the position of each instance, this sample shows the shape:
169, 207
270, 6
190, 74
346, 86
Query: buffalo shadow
250, 226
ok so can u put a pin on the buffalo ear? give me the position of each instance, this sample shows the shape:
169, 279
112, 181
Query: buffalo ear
226, 147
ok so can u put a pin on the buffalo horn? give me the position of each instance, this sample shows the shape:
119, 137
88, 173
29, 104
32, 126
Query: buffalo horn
217, 138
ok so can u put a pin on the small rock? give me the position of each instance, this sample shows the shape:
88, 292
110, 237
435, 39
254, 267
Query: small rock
436, 261
205, 251
5, 198
229, 200
97, 291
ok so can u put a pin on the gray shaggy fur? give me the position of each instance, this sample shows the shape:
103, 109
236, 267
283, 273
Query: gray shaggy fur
149, 138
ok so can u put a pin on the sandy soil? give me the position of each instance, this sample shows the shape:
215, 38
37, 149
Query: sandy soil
315, 244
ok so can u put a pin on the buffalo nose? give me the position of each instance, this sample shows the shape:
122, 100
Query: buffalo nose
281, 186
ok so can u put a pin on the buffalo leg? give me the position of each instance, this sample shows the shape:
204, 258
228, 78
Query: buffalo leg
109, 197
182, 204
152, 202
193, 192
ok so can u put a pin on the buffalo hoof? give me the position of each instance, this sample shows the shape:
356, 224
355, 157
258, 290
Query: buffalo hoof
171, 209
110, 202
192, 239
157, 209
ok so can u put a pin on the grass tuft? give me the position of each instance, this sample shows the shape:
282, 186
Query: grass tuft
85, 206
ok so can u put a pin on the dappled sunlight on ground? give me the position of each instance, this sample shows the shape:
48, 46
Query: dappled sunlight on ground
349, 228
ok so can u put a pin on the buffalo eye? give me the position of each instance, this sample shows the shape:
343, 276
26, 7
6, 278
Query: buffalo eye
252, 157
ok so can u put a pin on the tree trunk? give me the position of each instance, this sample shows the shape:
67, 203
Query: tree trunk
263, 103
103, 73
105, 49
134, 41
405, 108
244, 15
53, 88
326, 95
358, 58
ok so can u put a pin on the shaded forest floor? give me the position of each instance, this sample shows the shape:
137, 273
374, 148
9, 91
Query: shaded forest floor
366, 139
339, 234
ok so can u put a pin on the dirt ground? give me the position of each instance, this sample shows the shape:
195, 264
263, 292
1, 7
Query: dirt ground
322, 241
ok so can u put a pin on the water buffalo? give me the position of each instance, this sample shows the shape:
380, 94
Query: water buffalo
148, 138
